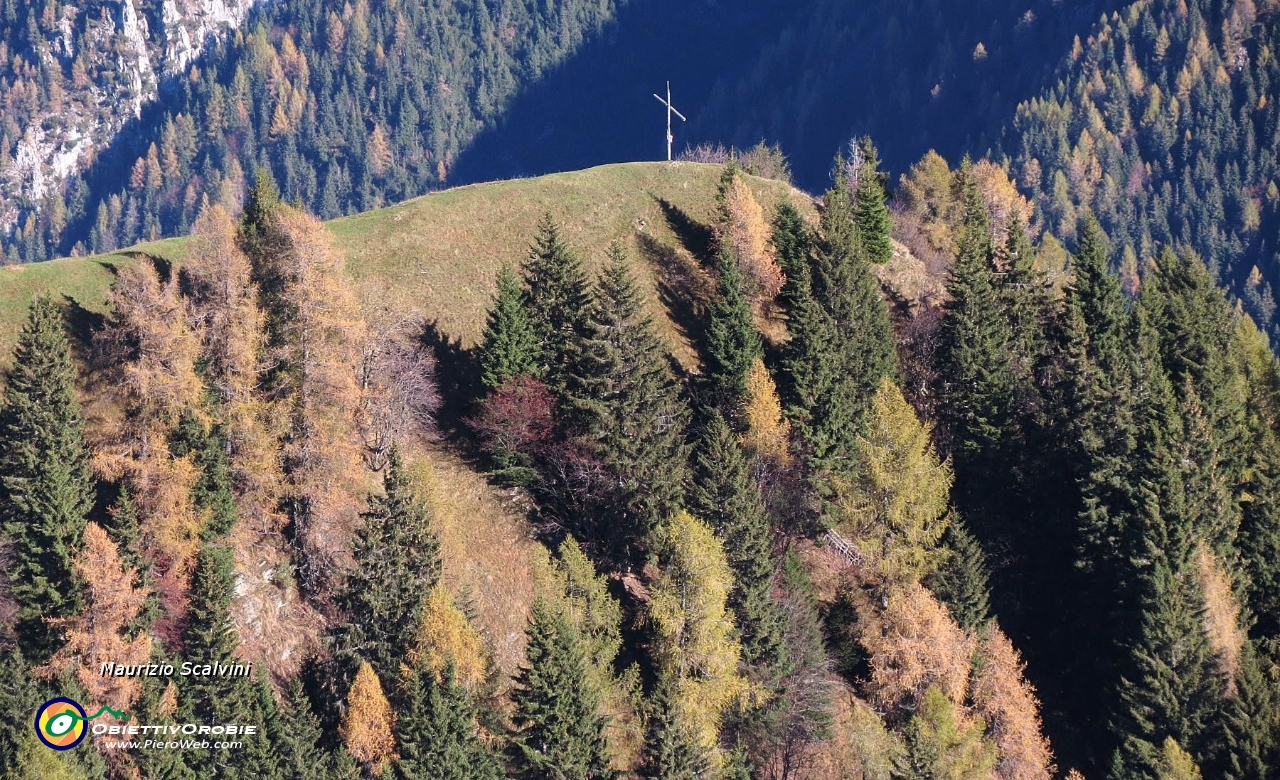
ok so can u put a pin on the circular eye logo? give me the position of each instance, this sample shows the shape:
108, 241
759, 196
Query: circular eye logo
61, 723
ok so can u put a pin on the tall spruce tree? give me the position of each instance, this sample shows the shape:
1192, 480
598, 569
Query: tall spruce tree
793, 241
300, 741
437, 732
974, 371
671, 749
1251, 720
732, 341
46, 487
559, 731
397, 562
1028, 302
509, 347
870, 209
559, 299
961, 581
728, 499
19, 697
210, 639
1172, 689
859, 336
621, 400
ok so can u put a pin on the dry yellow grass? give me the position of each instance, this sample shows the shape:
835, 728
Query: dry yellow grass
488, 551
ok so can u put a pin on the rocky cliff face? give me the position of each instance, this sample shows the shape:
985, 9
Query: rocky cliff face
72, 75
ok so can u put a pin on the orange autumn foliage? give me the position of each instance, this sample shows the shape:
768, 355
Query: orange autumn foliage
97, 634
1221, 616
324, 342
913, 644
747, 231
1007, 702
148, 355
225, 307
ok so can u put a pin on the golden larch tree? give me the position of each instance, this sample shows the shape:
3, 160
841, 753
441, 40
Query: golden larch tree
324, 339
694, 642
768, 430
367, 725
1007, 702
895, 509
447, 633
747, 231
225, 308
99, 634
912, 644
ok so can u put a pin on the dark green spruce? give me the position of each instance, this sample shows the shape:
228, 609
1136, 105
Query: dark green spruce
46, 486
559, 733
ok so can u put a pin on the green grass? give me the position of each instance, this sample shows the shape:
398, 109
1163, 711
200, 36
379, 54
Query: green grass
435, 258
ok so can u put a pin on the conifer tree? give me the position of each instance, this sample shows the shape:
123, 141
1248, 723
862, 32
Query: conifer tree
620, 399
1251, 721
961, 581
46, 487
397, 562
509, 346
727, 498
732, 339
19, 696
870, 211
263, 198
157, 706
671, 749
437, 732
1172, 689
1027, 300
210, 638
299, 742
793, 242
559, 731
895, 508
858, 338
559, 299
693, 629
973, 351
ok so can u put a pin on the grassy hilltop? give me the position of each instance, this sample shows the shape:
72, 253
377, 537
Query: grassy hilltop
436, 257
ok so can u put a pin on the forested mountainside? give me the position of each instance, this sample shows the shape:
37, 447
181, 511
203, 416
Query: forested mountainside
347, 122
73, 75
1165, 126
351, 106
752, 512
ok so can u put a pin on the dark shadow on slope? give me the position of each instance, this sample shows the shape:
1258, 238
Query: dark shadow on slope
678, 286
694, 236
457, 376
597, 106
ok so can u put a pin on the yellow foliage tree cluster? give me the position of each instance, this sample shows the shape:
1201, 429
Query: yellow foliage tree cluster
447, 634
748, 233
99, 633
149, 353
895, 508
367, 724
768, 433
694, 641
